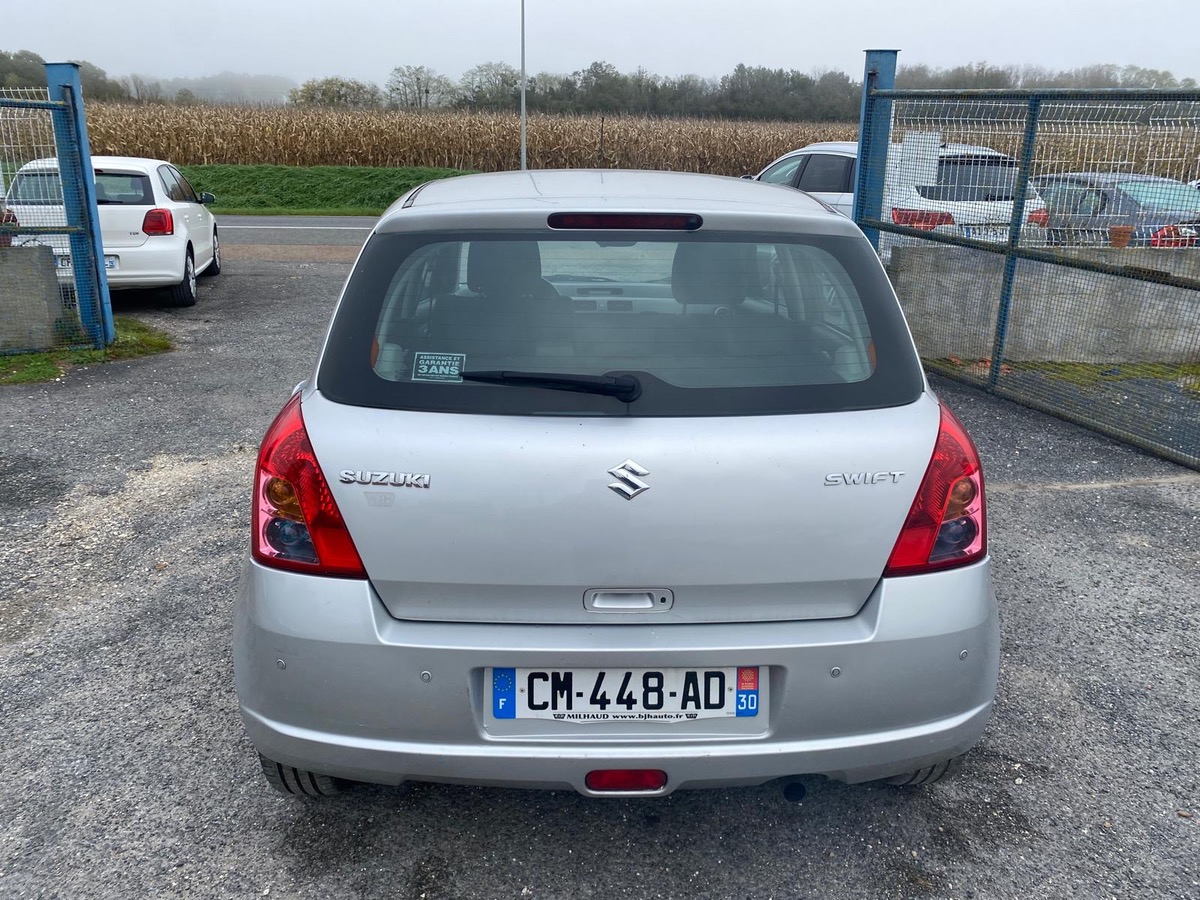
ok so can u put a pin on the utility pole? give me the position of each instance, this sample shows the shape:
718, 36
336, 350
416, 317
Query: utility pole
523, 165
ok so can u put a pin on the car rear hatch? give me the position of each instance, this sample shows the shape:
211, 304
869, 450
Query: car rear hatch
123, 197
726, 426
514, 519
121, 227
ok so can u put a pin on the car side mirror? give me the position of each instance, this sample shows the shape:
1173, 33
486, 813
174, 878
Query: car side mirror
207, 198
748, 177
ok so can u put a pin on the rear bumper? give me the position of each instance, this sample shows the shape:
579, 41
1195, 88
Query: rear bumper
327, 681
157, 263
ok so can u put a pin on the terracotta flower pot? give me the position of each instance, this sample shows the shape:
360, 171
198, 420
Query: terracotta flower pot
1120, 235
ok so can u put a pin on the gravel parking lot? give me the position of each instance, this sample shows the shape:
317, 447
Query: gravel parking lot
124, 515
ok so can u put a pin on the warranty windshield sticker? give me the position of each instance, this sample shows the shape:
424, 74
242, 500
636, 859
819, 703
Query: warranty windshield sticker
438, 366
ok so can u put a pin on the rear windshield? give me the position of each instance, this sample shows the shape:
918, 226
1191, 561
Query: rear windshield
36, 189
118, 188
45, 189
1162, 194
966, 178
705, 325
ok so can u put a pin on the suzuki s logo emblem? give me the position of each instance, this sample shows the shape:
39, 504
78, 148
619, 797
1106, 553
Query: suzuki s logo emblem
628, 484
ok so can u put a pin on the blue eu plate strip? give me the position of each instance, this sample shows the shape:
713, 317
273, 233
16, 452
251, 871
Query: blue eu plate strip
504, 693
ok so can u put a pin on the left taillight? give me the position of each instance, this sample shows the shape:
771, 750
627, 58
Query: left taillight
1039, 217
296, 521
947, 523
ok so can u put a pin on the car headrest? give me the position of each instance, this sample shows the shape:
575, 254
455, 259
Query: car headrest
511, 268
712, 273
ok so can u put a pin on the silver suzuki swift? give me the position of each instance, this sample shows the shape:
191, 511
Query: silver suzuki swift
622, 482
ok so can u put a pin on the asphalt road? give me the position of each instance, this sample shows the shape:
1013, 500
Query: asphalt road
123, 525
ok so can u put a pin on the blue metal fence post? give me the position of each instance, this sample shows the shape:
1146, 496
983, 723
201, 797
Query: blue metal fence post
79, 198
1025, 169
874, 135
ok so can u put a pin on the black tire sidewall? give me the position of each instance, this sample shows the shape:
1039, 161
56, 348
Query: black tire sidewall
184, 293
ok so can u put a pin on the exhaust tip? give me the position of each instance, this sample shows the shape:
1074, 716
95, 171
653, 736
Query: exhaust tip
794, 791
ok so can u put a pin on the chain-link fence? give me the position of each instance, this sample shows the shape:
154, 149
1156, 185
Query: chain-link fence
53, 293
1046, 246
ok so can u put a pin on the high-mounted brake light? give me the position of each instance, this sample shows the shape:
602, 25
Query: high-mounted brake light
626, 221
924, 219
947, 524
158, 222
296, 522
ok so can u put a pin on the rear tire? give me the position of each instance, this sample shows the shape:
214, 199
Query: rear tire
927, 775
298, 782
214, 267
184, 293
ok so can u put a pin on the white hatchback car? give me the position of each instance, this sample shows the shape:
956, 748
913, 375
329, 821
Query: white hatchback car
157, 231
961, 189
617, 481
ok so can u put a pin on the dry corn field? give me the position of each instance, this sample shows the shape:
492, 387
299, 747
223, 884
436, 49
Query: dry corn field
490, 141
190, 135
1157, 138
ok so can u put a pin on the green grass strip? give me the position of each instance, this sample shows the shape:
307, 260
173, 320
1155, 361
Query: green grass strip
307, 190
134, 339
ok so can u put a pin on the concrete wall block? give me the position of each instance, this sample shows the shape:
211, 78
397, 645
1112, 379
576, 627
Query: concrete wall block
951, 296
30, 301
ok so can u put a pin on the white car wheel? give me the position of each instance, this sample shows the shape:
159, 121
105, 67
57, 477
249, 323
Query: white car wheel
184, 293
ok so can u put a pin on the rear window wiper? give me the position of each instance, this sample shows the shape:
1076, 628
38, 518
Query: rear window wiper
625, 388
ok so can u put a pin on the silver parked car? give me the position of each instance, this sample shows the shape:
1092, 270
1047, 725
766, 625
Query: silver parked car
622, 482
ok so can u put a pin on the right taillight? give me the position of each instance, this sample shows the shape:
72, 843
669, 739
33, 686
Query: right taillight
924, 219
158, 221
296, 522
1175, 236
947, 524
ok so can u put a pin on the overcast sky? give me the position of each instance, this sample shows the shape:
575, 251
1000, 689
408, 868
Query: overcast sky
365, 39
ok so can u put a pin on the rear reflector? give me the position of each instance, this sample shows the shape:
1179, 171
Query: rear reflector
626, 221
617, 780
1039, 217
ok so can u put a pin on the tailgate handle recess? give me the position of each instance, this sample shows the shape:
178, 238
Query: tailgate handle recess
639, 600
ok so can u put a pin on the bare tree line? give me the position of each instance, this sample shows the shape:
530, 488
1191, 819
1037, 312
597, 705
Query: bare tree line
748, 92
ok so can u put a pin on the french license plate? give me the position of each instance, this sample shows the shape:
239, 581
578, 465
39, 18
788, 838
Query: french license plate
995, 234
624, 695
64, 262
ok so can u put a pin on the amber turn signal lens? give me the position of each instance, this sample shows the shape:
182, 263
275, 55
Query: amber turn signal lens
961, 496
281, 495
